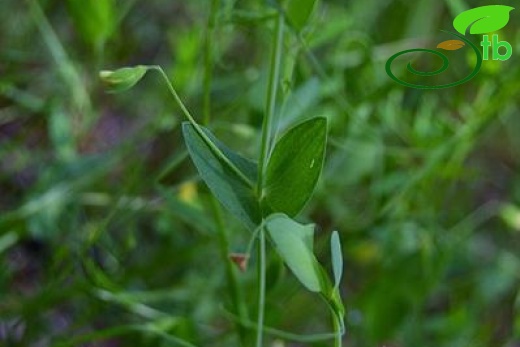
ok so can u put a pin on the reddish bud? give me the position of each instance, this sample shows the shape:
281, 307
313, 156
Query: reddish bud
240, 259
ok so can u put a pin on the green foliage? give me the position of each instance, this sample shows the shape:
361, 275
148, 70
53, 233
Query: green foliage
423, 187
295, 166
299, 11
294, 242
292, 173
235, 194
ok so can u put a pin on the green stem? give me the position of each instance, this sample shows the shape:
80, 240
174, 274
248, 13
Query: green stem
261, 290
208, 61
199, 130
235, 293
337, 330
276, 57
274, 74
286, 335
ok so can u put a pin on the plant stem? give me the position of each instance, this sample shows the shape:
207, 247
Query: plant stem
276, 58
337, 330
261, 286
199, 130
233, 286
208, 61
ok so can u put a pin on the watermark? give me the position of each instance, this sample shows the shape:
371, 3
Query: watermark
477, 21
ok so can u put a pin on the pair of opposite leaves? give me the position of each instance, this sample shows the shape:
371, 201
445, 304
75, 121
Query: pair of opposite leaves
291, 174
480, 20
292, 171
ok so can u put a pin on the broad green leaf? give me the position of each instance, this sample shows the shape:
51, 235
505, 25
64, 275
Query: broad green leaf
295, 166
224, 183
482, 20
124, 78
299, 11
291, 240
337, 258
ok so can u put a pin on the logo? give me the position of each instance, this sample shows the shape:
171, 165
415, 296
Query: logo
477, 21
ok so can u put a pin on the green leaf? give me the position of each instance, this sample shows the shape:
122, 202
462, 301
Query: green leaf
295, 166
299, 11
482, 20
337, 258
238, 197
124, 78
291, 240
337, 268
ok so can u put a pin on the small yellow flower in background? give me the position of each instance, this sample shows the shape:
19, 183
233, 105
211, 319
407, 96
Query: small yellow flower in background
188, 193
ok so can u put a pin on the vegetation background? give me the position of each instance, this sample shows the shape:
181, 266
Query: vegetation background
107, 237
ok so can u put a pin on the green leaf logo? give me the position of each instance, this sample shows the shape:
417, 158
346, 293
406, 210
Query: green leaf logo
482, 20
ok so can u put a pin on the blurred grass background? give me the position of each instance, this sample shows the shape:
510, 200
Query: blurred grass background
107, 237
